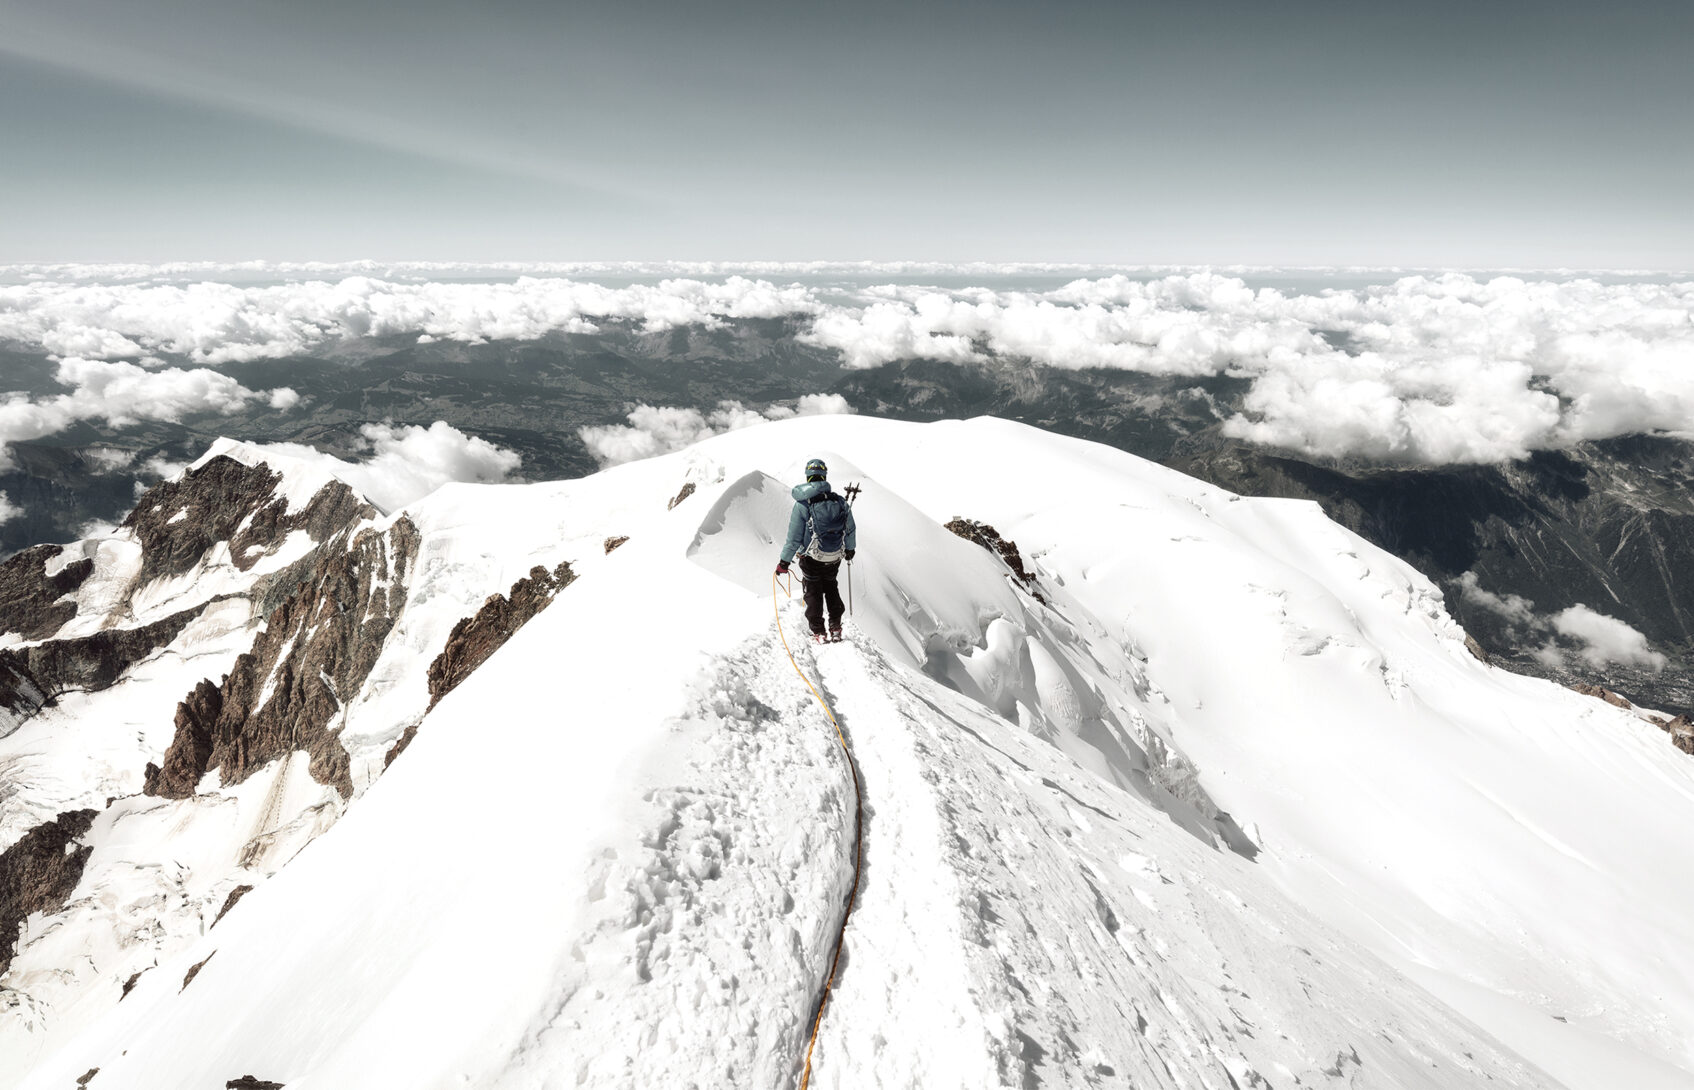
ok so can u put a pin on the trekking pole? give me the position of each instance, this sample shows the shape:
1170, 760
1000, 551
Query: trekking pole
851, 492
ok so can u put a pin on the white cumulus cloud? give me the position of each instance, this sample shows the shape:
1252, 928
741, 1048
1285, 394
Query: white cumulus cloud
109, 459
1427, 369
8, 509
1424, 369
1598, 639
120, 394
1514, 607
1606, 639
654, 430
406, 463
226, 322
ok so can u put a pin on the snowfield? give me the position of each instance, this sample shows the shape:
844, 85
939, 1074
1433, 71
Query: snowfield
1218, 800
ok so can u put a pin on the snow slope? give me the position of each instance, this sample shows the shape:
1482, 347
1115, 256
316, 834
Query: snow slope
1227, 806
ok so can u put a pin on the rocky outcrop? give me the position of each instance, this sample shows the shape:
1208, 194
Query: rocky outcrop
1681, 731
231, 901
30, 599
989, 538
179, 521
687, 491
39, 873
194, 970
474, 639
1476, 650
613, 542
31, 677
399, 745
319, 646
1602, 693
248, 1082
191, 748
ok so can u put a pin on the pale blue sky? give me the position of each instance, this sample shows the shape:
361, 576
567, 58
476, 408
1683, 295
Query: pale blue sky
1507, 134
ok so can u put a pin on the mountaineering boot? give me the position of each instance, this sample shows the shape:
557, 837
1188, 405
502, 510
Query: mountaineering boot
835, 634
819, 637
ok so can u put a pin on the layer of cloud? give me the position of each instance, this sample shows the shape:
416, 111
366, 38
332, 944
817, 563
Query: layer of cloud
159, 468
108, 459
125, 393
401, 465
1425, 370
8, 509
1604, 639
654, 430
1433, 368
1596, 638
212, 322
1513, 607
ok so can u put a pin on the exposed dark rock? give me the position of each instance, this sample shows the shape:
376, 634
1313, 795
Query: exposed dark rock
29, 597
614, 542
399, 745
1603, 693
129, 985
1681, 731
89, 1077
248, 1082
178, 521
1476, 650
319, 643
230, 902
39, 873
989, 538
32, 676
194, 970
474, 639
687, 491
191, 749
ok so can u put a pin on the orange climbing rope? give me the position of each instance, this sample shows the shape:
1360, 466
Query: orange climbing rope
858, 836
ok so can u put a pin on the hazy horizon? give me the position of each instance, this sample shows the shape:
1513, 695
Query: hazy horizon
1517, 136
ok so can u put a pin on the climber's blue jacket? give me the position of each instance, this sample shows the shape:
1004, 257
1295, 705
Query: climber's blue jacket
799, 520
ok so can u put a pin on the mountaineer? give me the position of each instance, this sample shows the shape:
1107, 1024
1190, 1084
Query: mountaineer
821, 531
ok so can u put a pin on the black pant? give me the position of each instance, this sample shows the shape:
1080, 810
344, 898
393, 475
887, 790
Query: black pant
817, 581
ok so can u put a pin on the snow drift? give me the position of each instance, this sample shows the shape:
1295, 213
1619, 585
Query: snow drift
1217, 797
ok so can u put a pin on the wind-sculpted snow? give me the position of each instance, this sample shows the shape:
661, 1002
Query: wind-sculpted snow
1229, 804
1026, 925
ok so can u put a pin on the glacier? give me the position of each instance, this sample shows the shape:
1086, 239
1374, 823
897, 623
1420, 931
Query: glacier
1217, 798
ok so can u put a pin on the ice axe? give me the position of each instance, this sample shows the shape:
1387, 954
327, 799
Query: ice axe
852, 493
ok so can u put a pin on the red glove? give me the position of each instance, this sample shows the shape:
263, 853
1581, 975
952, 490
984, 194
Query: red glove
782, 567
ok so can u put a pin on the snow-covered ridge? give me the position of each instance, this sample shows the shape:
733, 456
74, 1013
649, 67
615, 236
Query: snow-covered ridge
1225, 805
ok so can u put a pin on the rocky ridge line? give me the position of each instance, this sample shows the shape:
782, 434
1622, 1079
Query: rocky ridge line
39, 873
1007, 550
32, 677
32, 602
279, 698
180, 521
474, 639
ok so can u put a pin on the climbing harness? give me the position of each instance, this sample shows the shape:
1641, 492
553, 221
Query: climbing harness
858, 834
